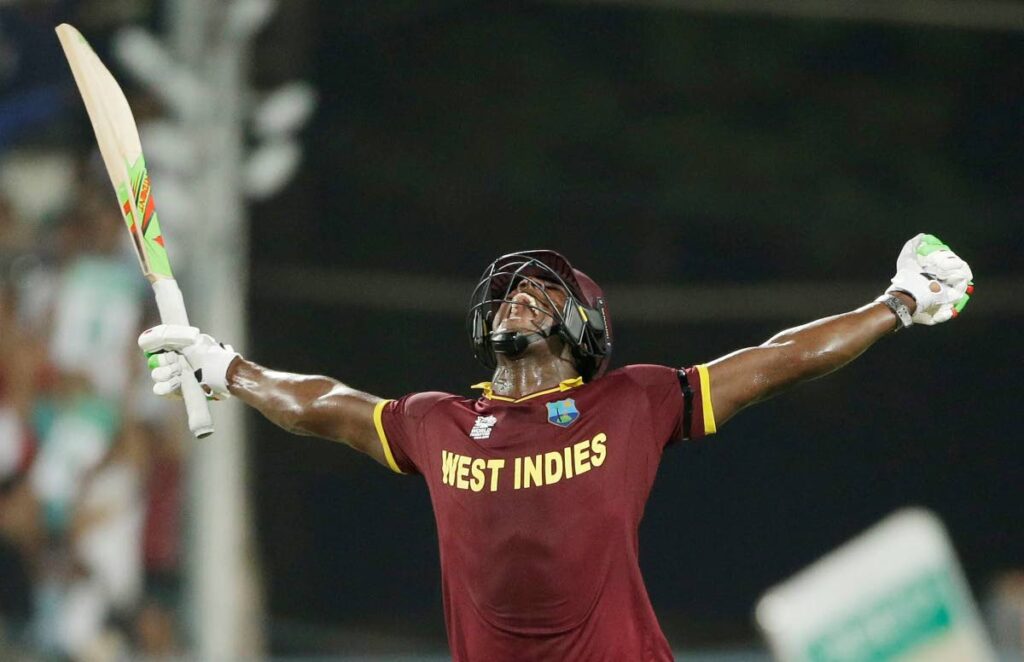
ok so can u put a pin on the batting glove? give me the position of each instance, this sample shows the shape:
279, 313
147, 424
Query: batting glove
209, 359
940, 282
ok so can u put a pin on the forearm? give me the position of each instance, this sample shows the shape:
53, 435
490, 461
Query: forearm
823, 346
307, 404
796, 355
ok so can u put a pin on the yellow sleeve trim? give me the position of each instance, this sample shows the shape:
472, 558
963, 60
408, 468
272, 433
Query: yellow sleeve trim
378, 409
705, 399
564, 385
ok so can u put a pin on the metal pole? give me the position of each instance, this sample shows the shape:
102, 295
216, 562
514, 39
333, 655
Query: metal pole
224, 597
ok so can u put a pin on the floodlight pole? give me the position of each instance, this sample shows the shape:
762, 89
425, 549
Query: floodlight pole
225, 602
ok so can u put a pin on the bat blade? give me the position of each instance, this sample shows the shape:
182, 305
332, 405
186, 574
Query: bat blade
118, 140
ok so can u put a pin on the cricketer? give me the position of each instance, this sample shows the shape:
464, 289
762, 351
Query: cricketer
539, 484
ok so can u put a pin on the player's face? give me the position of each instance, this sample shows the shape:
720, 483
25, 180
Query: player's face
530, 306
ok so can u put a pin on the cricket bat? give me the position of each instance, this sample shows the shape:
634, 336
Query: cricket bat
119, 144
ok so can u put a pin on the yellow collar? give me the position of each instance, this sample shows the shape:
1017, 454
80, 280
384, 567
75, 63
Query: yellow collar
564, 385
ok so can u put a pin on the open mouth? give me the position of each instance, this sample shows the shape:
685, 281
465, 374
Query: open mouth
523, 309
523, 306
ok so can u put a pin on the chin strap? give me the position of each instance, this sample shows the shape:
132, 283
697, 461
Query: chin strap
514, 343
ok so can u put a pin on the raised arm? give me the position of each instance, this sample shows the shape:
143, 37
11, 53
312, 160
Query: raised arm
302, 404
309, 405
796, 355
931, 282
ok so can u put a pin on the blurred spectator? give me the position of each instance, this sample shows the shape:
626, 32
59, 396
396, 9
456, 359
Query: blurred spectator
106, 535
98, 304
89, 481
95, 317
19, 521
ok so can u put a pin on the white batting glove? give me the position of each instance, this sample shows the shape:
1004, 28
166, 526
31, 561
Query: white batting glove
209, 359
940, 282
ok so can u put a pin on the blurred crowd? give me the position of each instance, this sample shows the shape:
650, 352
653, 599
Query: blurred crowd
90, 463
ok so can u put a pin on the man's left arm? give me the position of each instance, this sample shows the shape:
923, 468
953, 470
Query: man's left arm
931, 286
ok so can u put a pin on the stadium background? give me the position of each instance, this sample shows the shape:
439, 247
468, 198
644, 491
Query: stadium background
722, 175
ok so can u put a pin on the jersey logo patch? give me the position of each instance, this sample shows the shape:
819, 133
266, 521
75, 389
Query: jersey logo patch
482, 427
563, 413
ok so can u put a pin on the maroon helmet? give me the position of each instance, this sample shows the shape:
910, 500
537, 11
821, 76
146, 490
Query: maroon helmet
583, 321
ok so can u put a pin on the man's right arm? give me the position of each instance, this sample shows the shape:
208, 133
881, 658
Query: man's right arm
931, 282
308, 405
302, 404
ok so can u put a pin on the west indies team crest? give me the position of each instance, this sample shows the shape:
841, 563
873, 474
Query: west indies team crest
563, 413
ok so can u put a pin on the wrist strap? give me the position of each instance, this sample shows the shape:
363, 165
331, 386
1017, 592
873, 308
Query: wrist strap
898, 308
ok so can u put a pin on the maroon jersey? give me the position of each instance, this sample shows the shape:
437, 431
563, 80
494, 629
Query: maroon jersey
538, 501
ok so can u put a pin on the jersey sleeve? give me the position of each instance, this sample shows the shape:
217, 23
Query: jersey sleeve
400, 428
679, 400
698, 418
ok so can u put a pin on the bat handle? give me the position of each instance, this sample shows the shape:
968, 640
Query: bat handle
172, 311
200, 421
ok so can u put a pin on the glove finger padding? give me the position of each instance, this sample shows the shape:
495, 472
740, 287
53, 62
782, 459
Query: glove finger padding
169, 388
944, 314
946, 266
165, 373
167, 337
170, 374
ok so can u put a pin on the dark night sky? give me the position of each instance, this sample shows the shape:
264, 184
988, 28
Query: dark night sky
666, 140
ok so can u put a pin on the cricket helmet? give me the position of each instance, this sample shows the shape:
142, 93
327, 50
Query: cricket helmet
583, 321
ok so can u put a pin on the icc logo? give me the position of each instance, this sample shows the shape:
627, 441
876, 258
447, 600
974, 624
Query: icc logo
563, 412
